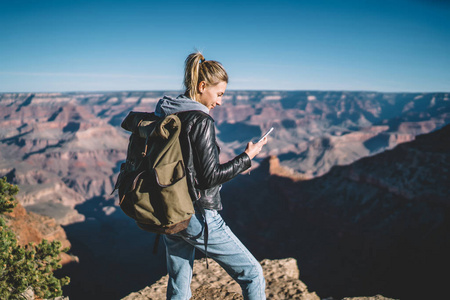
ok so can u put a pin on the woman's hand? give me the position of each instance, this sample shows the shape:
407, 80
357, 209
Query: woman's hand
253, 149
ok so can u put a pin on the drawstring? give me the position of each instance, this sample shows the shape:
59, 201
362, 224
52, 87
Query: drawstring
206, 242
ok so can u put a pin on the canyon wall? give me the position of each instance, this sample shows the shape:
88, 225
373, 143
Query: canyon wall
64, 149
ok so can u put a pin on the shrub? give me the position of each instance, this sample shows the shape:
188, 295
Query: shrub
26, 267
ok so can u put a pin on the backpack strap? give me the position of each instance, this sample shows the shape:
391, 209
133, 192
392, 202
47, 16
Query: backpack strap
156, 244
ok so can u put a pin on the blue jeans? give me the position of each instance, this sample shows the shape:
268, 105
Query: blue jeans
223, 246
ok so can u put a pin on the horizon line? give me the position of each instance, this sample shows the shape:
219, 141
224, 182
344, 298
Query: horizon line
230, 90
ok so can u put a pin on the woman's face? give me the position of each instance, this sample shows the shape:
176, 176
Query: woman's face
211, 95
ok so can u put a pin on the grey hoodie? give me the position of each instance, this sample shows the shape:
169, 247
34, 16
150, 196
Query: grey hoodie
167, 106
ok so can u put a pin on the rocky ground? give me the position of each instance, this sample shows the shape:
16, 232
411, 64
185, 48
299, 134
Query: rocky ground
282, 282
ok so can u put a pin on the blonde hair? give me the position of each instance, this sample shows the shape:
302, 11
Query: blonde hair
197, 69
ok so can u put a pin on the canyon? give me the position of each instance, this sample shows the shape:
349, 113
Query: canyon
378, 225
357, 196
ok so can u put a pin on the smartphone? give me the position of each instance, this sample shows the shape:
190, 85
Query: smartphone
266, 134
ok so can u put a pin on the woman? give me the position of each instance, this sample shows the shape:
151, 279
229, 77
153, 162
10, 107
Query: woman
205, 83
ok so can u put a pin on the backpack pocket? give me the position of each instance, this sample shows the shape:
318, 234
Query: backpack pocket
175, 197
170, 174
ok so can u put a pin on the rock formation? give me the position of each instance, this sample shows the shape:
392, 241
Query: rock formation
58, 152
317, 130
282, 282
33, 228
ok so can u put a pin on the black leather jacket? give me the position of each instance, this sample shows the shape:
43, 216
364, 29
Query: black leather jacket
205, 174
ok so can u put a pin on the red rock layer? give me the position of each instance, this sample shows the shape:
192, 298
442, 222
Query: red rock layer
33, 228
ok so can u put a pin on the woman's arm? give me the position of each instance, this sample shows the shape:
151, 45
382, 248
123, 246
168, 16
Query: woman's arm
209, 171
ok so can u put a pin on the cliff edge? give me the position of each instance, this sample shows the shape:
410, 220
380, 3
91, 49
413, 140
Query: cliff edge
214, 283
282, 282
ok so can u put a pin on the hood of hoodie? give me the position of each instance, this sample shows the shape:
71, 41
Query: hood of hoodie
168, 105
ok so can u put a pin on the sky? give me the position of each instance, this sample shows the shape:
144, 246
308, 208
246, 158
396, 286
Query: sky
89, 45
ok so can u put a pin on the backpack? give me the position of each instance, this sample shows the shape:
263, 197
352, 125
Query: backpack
152, 182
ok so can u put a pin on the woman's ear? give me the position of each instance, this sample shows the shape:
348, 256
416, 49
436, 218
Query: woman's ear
201, 86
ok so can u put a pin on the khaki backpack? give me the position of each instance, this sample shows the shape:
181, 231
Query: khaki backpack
152, 183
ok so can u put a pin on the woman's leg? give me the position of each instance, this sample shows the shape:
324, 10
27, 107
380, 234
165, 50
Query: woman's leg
180, 255
226, 249
180, 260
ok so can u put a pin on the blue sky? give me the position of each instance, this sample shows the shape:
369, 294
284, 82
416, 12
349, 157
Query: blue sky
78, 45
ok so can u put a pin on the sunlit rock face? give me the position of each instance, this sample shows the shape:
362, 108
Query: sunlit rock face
33, 228
281, 276
282, 282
